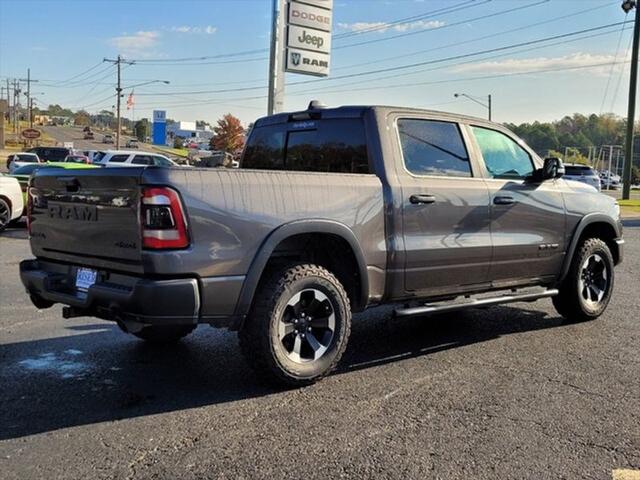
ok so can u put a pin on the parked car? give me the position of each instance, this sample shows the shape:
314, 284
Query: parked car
132, 143
107, 138
51, 154
333, 210
88, 135
610, 180
582, 173
76, 158
130, 158
23, 173
11, 201
16, 160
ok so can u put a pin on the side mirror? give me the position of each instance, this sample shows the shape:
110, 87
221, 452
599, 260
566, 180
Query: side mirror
552, 168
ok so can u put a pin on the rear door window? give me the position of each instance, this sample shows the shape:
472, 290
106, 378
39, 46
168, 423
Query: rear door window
431, 147
118, 158
142, 160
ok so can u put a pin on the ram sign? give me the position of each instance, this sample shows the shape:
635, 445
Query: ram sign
308, 37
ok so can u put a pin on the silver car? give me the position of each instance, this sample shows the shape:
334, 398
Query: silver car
582, 173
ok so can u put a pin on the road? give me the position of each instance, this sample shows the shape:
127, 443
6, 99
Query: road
507, 392
76, 135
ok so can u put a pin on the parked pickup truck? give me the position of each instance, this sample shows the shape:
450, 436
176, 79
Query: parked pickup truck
332, 211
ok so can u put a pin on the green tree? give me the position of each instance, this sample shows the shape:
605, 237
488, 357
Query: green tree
141, 129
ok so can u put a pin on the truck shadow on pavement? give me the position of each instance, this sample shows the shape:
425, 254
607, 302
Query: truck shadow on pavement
99, 374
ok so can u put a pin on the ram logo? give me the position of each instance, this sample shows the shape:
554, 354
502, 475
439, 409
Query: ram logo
83, 213
295, 58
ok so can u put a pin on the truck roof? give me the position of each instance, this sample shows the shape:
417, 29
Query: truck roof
315, 110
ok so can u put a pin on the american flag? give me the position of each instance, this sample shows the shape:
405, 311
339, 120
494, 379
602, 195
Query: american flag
130, 101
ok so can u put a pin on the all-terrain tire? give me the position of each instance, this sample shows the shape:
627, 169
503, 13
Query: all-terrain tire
159, 334
571, 302
260, 340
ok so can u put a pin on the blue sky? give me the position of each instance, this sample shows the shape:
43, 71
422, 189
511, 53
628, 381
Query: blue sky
60, 39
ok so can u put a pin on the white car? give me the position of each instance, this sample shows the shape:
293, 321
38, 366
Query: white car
582, 173
132, 143
11, 203
134, 158
17, 160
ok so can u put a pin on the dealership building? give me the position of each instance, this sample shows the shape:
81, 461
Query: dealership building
188, 131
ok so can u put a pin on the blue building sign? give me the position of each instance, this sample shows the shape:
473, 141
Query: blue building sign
159, 127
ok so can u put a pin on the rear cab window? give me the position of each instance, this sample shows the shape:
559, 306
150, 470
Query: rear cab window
330, 145
579, 170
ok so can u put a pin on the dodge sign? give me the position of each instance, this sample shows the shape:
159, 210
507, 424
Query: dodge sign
308, 16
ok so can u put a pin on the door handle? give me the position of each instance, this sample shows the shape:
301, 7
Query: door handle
424, 199
503, 200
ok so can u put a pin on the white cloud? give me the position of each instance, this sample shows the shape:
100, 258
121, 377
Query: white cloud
135, 44
383, 26
517, 65
206, 30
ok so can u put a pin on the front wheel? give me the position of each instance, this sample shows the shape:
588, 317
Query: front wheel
298, 327
585, 293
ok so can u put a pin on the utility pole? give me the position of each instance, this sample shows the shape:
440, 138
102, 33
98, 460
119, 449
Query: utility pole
275, 103
489, 105
28, 80
627, 5
118, 62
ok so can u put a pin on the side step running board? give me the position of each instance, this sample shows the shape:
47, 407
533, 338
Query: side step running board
474, 303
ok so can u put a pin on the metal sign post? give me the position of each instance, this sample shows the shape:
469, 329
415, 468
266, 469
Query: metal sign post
276, 59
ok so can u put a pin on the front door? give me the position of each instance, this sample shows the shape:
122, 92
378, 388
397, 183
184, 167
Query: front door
527, 219
445, 209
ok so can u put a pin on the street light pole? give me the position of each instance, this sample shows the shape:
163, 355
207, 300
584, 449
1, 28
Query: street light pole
473, 99
633, 80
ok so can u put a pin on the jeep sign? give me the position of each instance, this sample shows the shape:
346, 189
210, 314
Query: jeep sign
309, 39
308, 16
302, 61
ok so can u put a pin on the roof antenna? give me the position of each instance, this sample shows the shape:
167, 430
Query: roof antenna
316, 104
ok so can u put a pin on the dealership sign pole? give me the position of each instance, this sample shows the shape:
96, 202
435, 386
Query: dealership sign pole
300, 43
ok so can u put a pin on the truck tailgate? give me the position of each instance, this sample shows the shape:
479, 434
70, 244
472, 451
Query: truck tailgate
89, 217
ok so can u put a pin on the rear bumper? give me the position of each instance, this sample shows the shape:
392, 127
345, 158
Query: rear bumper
115, 296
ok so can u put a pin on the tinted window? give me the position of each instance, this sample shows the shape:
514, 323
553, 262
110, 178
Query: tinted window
265, 148
503, 157
335, 145
26, 158
577, 170
433, 148
119, 158
142, 160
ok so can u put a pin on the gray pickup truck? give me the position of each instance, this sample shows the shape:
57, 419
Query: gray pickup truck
332, 211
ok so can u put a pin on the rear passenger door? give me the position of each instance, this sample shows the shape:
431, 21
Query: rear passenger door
527, 219
445, 208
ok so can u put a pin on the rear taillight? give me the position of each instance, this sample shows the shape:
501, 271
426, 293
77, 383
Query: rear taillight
163, 220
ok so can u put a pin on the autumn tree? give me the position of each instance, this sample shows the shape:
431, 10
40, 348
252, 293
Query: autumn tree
228, 134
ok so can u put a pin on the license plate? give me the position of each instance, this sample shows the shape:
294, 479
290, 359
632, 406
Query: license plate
85, 277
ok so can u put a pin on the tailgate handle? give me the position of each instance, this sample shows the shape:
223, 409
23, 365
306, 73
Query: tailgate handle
71, 183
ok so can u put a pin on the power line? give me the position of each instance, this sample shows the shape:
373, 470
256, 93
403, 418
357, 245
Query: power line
447, 25
615, 57
615, 93
403, 67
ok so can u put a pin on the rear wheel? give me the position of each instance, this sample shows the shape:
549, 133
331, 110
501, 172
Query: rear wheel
164, 333
298, 327
585, 293
5, 214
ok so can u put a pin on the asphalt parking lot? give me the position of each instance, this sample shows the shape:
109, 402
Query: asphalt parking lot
507, 392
